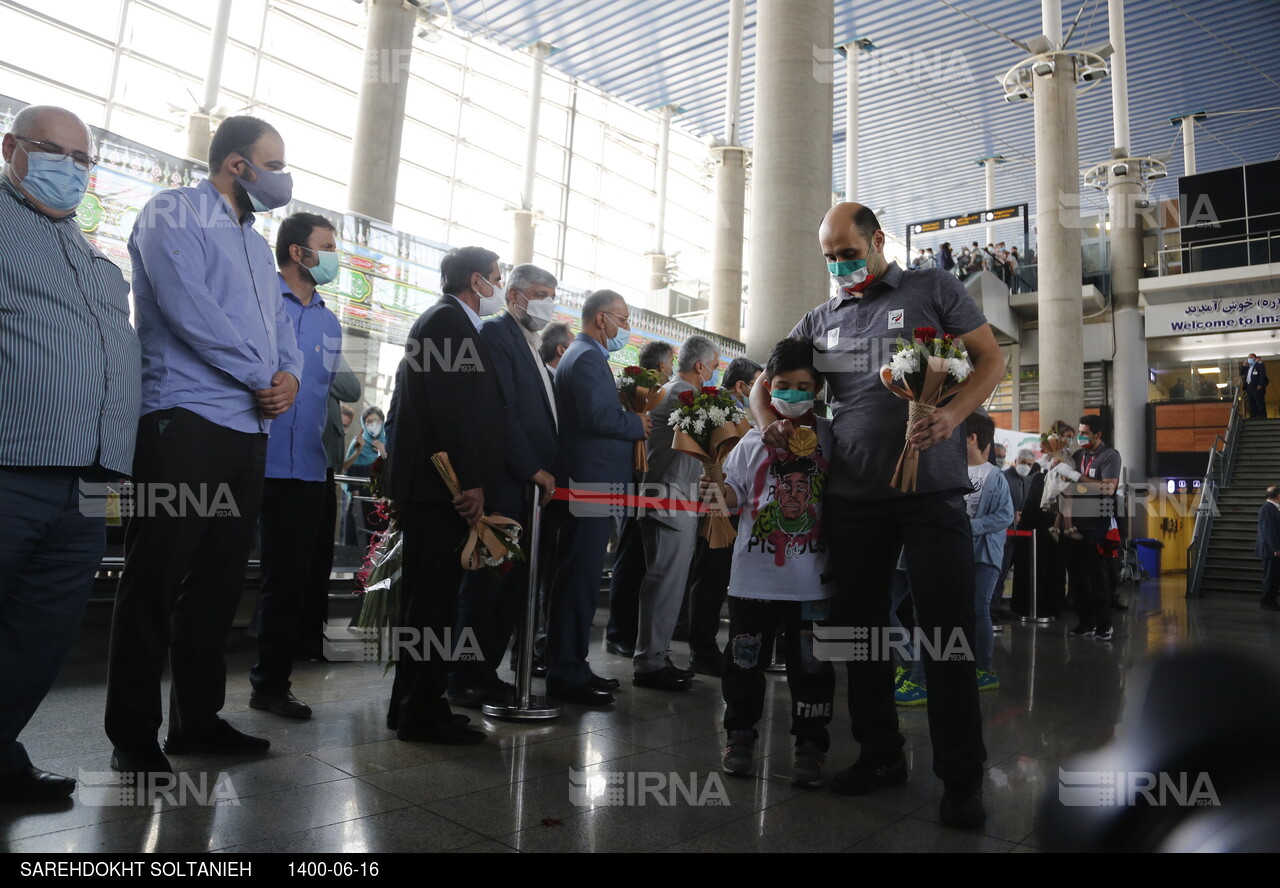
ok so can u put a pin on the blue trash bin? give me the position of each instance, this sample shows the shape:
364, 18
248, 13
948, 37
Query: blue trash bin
1148, 551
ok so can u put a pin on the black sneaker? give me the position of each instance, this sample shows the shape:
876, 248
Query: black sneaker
865, 775
1104, 634
962, 809
1082, 631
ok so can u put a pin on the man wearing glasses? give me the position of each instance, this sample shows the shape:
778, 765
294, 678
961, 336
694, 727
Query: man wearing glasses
219, 362
68, 414
595, 449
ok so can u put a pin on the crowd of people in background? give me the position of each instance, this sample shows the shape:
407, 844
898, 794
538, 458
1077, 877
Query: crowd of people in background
1014, 271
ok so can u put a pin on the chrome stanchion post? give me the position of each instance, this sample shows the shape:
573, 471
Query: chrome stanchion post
527, 705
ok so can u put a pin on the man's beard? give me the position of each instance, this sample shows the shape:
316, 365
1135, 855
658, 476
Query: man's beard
243, 203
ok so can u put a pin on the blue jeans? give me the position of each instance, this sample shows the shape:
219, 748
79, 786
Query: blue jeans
49, 552
984, 586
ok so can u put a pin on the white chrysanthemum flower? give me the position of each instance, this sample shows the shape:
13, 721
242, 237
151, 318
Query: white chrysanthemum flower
674, 420
716, 415
959, 368
904, 362
699, 425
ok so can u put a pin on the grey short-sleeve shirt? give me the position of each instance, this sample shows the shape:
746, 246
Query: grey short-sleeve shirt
852, 338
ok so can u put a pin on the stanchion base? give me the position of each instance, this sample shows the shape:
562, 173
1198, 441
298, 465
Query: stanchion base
1040, 620
539, 708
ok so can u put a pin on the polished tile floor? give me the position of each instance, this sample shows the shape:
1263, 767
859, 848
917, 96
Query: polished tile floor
342, 782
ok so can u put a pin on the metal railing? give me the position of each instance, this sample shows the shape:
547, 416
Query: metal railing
1216, 474
1259, 249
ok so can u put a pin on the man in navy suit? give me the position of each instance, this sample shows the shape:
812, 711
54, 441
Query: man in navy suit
490, 603
1254, 377
597, 438
1268, 548
447, 398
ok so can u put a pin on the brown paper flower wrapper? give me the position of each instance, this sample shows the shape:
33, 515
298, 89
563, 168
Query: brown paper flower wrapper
482, 530
717, 529
926, 402
645, 400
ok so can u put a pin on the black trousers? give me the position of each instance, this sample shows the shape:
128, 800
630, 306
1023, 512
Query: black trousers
812, 682
1087, 573
431, 575
314, 613
291, 526
1270, 580
183, 574
624, 587
864, 538
1257, 402
706, 597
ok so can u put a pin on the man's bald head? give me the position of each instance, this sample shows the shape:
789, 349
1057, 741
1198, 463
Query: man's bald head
54, 129
851, 231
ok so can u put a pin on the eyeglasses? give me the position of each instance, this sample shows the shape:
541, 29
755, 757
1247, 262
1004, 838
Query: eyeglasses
79, 158
620, 321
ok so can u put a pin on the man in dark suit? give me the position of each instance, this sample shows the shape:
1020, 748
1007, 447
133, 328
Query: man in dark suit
596, 449
490, 603
1268, 548
1253, 375
447, 398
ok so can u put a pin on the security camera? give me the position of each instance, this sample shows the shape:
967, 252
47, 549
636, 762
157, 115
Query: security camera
1156, 174
1017, 94
1120, 169
1091, 73
1042, 67
1142, 204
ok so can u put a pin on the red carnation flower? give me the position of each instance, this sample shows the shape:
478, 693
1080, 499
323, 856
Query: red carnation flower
925, 334
633, 371
686, 398
710, 390
947, 338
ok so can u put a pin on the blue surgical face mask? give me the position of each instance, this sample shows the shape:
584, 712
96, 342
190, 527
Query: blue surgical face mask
1251, 360
618, 340
54, 180
326, 270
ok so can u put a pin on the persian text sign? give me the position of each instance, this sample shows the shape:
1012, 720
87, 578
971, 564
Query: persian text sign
1213, 316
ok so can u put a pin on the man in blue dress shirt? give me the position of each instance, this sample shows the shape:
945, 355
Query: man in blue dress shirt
68, 414
293, 495
219, 362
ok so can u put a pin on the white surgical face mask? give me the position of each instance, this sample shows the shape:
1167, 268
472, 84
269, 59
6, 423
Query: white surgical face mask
492, 303
538, 313
373, 427
1022, 469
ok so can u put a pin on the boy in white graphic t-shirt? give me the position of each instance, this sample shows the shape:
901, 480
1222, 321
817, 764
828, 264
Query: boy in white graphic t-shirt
780, 572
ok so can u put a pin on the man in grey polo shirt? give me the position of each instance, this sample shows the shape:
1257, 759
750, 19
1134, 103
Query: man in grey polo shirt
868, 521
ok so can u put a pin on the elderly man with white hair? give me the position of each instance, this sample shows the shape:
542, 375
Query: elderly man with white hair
72, 377
669, 536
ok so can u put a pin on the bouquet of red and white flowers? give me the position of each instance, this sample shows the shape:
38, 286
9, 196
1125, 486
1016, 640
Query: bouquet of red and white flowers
639, 390
926, 371
494, 540
707, 425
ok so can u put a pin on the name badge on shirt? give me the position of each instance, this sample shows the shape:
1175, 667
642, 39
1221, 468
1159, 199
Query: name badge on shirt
895, 318
1093, 473
833, 338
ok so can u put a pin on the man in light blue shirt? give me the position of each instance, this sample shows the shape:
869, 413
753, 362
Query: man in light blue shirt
293, 495
219, 362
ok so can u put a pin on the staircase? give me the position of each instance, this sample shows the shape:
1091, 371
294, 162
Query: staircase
1231, 568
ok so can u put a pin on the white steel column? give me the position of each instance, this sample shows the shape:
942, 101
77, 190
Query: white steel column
658, 256
522, 238
725, 310
1189, 145
200, 122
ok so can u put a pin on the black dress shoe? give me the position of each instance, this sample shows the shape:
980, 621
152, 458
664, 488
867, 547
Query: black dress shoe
451, 733
683, 673
33, 785
471, 697
665, 679
600, 683
221, 740
286, 706
712, 668
583, 694
539, 669
147, 760
612, 647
